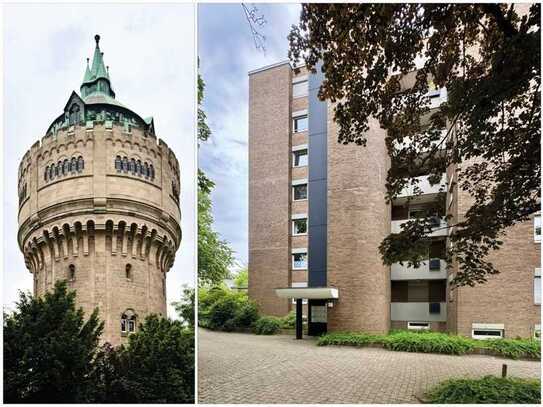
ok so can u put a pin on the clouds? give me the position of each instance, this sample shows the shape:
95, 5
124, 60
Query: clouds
150, 51
227, 53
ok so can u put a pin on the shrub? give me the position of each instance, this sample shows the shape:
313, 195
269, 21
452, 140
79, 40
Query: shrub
220, 308
349, 339
487, 390
289, 320
267, 325
428, 342
514, 348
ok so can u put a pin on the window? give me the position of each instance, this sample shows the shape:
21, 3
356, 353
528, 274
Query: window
80, 164
151, 172
299, 226
435, 264
128, 322
146, 170
418, 326
46, 173
300, 123
74, 165
118, 163
138, 168
125, 164
299, 192
300, 89
537, 228
65, 167
299, 260
128, 272
487, 333
537, 286
299, 158
71, 272
132, 166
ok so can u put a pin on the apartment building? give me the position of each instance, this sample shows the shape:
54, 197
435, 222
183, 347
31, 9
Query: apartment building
317, 215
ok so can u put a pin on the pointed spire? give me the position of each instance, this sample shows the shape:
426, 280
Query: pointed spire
88, 75
98, 69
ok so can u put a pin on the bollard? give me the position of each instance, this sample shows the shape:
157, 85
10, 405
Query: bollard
504, 370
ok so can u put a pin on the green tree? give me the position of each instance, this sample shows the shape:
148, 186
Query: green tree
241, 279
215, 257
488, 57
49, 349
185, 307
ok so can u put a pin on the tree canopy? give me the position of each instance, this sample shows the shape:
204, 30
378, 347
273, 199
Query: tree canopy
49, 349
381, 60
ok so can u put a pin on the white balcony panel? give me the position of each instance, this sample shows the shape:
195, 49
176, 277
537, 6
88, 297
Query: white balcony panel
399, 272
416, 311
441, 230
425, 187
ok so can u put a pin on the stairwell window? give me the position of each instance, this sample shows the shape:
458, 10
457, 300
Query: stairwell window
300, 88
299, 158
299, 191
300, 123
299, 259
537, 286
537, 228
299, 226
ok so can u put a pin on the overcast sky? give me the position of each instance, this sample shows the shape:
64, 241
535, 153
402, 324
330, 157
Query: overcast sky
150, 52
227, 53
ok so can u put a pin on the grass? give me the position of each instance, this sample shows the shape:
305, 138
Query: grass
486, 390
436, 342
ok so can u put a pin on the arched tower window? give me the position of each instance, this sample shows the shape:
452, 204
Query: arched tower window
80, 164
71, 272
46, 173
128, 322
59, 168
118, 163
52, 171
151, 172
128, 272
65, 166
146, 170
138, 168
132, 167
125, 164
73, 165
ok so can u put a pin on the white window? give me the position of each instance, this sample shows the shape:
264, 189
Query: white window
300, 123
299, 158
537, 286
487, 331
299, 226
418, 325
299, 259
537, 228
300, 88
299, 192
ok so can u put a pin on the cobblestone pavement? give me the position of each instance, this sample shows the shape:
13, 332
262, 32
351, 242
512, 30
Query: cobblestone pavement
245, 368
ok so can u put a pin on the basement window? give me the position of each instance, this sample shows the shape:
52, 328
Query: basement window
300, 124
487, 333
417, 326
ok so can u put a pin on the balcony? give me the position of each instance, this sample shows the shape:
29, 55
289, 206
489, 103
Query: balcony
408, 142
418, 311
436, 269
424, 186
438, 229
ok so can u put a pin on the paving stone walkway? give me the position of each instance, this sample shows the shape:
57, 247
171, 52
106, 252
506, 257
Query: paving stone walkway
244, 368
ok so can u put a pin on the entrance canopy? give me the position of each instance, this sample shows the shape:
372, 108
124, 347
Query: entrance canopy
311, 293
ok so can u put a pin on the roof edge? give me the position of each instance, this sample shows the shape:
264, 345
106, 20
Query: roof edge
265, 68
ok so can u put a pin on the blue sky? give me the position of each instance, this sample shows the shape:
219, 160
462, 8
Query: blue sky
227, 53
150, 51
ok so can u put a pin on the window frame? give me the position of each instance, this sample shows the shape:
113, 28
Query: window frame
486, 337
537, 283
295, 120
422, 326
537, 220
296, 84
298, 252
297, 153
294, 220
294, 192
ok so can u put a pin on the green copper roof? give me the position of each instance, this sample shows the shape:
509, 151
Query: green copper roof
88, 75
98, 69
96, 79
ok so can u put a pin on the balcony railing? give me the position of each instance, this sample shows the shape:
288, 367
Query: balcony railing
418, 311
438, 229
434, 269
424, 186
